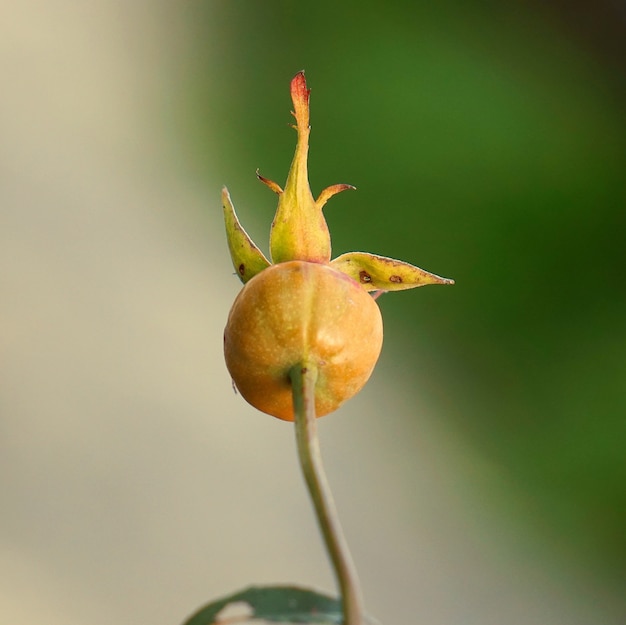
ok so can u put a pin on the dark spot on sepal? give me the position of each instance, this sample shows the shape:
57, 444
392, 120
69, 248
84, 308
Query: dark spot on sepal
364, 277
395, 279
241, 269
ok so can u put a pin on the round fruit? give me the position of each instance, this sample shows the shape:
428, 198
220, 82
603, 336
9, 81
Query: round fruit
301, 312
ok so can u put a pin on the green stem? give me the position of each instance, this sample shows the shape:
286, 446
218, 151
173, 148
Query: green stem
303, 379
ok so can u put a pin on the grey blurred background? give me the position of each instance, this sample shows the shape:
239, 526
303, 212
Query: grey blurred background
480, 475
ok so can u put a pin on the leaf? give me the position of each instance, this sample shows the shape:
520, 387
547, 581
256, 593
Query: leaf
379, 273
247, 258
258, 605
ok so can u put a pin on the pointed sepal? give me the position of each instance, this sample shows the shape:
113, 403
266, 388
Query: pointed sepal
299, 230
379, 273
275, 187
328, 192
247, 258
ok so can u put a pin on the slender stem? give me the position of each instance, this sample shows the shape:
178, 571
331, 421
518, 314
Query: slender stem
303, 379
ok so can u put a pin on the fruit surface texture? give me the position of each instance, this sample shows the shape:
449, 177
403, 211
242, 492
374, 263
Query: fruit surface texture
301, 312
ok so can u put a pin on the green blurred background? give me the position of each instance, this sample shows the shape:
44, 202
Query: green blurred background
487, 143
481, 473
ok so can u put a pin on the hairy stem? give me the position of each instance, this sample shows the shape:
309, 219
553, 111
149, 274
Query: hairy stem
303, 379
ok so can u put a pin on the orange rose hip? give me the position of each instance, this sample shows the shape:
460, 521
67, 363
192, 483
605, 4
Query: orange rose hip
301, 312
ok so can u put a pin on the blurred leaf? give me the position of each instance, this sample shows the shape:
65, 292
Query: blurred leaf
271, 604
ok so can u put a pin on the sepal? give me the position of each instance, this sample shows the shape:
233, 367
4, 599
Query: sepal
299, 230
275, 187
328, 192
379, 273
247, 258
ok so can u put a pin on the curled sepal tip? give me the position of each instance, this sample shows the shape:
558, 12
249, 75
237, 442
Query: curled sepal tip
379, 273
276, 188
299, 230
328, 192
247, 258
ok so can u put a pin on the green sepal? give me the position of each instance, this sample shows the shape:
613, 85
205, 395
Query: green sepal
379, 273
248, 259
299, 230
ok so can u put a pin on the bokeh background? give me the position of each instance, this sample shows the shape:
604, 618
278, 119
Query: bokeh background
480, 475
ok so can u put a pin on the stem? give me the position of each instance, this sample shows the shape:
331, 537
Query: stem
303, 379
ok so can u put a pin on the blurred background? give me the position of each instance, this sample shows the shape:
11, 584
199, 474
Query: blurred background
480, 475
